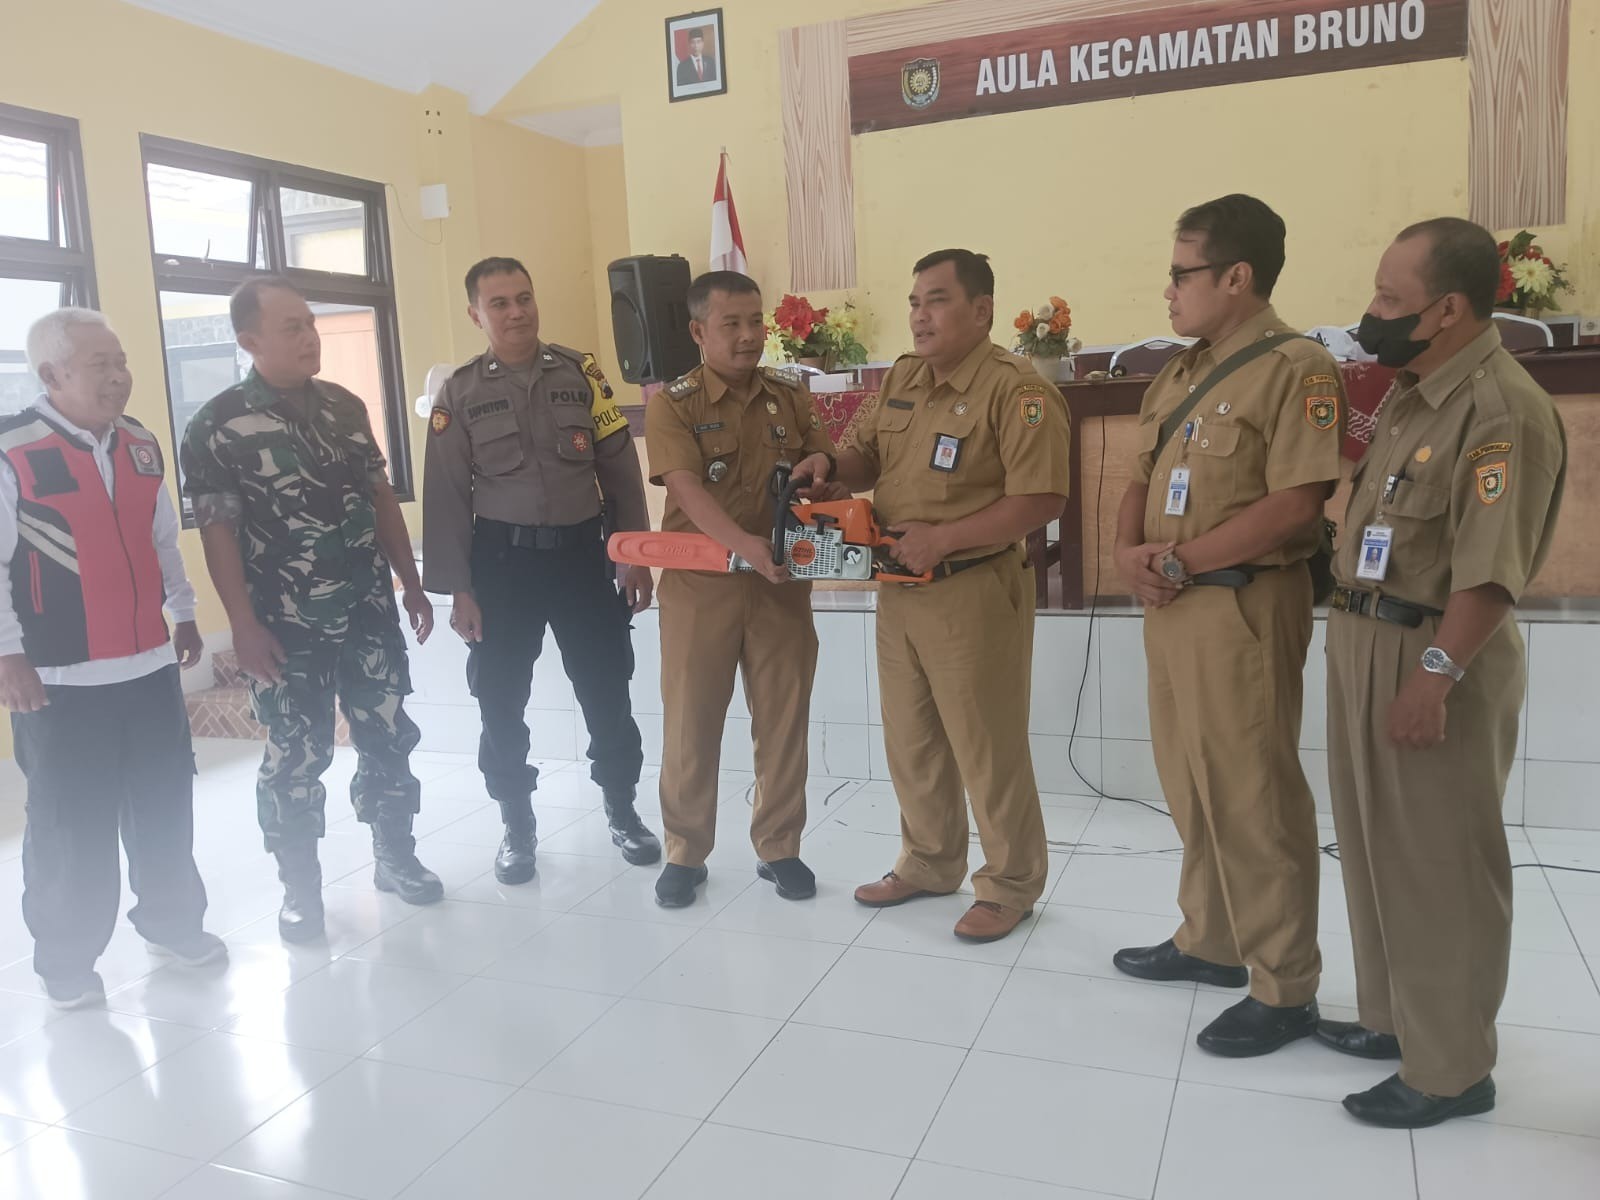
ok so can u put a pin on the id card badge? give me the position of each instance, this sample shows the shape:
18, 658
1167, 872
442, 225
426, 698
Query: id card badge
1376, 541
1178, 492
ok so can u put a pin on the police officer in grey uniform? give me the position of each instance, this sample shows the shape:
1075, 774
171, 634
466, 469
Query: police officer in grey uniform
528, 462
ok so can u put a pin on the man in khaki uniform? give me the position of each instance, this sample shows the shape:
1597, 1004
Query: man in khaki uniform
968, 452
714, 438
1451, 515
525, 443
1214, 534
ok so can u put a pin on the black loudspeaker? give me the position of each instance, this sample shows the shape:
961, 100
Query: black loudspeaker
650, 317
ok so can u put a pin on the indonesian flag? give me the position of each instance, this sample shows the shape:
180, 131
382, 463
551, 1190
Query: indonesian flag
727, 244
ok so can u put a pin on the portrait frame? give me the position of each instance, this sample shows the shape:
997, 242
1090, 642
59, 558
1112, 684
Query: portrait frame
687, 80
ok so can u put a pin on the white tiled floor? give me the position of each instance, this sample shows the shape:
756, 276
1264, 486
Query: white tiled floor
570, 1039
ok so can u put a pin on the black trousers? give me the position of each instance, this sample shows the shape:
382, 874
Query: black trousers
521, 591
99, 760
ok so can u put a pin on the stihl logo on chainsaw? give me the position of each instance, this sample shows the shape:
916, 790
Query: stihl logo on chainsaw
837, 540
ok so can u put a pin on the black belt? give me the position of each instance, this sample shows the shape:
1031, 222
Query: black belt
954, 567
543, 537
1228, 577
1385, 608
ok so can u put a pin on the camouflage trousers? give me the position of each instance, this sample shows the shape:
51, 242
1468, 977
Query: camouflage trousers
365, 668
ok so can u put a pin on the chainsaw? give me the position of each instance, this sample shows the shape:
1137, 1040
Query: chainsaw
833, 539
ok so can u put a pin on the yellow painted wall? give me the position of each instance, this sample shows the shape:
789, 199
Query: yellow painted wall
1080, 200
142, 73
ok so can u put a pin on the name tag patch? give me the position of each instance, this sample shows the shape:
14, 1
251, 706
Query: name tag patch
946, 452
901, 404
708, 427
488, 408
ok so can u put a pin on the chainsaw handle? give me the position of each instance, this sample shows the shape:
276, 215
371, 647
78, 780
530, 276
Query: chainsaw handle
782, 490
886, 565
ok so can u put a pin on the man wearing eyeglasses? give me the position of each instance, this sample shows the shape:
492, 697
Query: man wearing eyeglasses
1238, 452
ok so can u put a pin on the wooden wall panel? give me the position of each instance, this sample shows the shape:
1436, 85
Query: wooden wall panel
1518, 56
814, 78
1571, 572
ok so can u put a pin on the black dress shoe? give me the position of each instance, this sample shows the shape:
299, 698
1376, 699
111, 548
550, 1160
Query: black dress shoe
515, 861
1349, 1037
1251, 1028
794, 879
675, 888
1394, 1105
628, 833
1166, 962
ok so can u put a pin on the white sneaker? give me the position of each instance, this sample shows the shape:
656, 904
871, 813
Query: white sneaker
199, 950
77, 991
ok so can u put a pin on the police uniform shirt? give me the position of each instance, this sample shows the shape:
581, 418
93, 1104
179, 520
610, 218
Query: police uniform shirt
1479, 458
699, 424
943, 451
536, 445
1275, 423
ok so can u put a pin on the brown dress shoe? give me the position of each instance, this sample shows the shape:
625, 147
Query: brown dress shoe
987, 921
889, 891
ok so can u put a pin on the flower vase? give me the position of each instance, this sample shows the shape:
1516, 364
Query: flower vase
1055, 370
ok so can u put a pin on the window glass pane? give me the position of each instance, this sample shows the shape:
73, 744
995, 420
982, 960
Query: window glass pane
324, 233
202, 357
199, 215
350, 359
22, 302
24, 189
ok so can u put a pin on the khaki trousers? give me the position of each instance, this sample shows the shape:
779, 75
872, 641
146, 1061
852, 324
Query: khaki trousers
1427, 873
1226, 684
712, 625
955, 661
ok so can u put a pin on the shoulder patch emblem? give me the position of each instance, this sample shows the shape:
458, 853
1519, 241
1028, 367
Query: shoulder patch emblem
1489, 448
1316, 381
1322, 412
439, 420
580, 441
146, 458
592, 370
1493, 479
1031, 406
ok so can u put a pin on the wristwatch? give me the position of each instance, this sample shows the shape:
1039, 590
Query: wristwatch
1172, 567
1436, 662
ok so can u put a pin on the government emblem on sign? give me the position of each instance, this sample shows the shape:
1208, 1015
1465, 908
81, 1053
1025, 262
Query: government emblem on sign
919, 82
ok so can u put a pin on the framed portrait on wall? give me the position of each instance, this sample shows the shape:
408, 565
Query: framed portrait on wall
696, 64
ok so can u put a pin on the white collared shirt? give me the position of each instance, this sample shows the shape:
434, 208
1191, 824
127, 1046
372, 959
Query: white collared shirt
175, 580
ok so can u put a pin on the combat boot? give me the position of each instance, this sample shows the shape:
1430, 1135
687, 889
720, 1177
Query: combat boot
395, 867
515, 862
628, 833
300, 918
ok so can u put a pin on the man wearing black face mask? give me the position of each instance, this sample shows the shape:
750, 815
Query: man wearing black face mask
1451, 515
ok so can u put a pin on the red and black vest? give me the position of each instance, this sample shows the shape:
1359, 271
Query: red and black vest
85, 580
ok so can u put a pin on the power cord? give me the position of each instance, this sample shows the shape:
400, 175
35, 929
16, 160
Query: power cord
1331, 849
1088, 645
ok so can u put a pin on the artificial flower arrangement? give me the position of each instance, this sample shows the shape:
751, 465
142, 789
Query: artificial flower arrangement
1529, 281
1046, 332
826, 338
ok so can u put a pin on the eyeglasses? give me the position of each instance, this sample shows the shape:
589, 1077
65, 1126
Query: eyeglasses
1176, 274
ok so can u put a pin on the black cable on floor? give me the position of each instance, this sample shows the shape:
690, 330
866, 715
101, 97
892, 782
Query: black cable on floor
1088, 645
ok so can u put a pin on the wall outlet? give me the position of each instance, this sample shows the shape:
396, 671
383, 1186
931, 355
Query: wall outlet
1589, 326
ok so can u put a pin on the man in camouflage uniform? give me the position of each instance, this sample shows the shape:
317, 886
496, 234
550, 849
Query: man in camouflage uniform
301, 531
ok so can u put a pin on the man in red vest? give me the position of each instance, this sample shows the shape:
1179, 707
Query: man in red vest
88, 556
